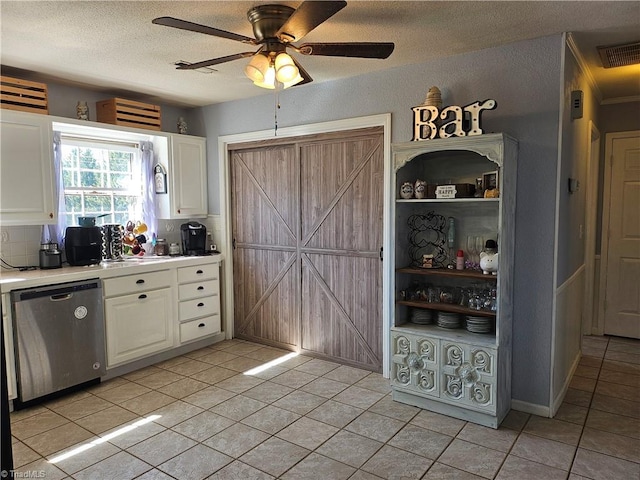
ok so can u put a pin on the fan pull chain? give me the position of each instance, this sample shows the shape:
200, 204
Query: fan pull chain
276, 107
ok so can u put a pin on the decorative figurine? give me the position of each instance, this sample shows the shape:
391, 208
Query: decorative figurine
406, 190
489, 258
434, 98
82, 111
420, 189
182, 125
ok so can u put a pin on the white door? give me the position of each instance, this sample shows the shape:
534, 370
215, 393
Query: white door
621, 246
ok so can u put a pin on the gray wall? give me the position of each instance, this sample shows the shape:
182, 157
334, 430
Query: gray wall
524, 79
575, 141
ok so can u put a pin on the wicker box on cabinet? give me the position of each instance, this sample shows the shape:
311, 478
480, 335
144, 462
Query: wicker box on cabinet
23, 95
118, 111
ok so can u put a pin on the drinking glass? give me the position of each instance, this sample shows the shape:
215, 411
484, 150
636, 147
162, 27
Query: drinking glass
479, 246
471, 247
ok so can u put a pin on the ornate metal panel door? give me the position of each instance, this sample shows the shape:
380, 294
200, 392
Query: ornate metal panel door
414, 363
468, 375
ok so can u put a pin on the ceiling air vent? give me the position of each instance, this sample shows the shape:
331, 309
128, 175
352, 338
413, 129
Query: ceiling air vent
620, 55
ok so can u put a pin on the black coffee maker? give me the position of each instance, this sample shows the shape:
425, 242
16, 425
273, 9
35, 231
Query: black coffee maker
194, 238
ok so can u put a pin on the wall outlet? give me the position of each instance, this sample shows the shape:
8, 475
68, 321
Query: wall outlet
5, 236
169, 227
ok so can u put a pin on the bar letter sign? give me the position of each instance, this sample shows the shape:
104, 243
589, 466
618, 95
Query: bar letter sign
425, 117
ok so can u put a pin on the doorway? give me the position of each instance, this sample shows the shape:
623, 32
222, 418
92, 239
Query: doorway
620, 270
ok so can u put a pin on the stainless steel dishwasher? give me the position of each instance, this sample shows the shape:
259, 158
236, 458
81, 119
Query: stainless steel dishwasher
59, 337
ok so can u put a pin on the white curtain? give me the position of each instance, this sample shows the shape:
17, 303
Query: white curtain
148, 206
56, 232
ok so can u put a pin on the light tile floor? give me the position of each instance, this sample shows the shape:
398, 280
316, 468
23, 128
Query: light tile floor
197, 416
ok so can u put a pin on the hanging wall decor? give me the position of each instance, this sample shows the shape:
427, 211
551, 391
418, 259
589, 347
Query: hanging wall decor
159, 179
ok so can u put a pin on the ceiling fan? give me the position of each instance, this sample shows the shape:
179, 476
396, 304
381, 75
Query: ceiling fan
276, 28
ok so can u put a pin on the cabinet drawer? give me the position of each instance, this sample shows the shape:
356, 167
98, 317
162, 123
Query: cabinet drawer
199, 328
136, 283
198, 272
199, 307
205, 289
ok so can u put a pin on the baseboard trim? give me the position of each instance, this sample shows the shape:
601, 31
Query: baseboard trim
557, 401
531, 408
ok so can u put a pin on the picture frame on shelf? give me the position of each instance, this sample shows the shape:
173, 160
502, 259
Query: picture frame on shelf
490, 180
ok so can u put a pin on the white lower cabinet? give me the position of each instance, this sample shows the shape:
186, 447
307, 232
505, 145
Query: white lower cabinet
199, 301
141, 323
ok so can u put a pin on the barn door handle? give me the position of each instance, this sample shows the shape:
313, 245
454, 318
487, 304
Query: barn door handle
381, 256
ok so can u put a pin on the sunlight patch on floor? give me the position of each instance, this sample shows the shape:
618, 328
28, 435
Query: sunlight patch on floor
98, 441
272, 363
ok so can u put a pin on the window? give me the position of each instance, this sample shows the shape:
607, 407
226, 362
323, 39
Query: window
101, 179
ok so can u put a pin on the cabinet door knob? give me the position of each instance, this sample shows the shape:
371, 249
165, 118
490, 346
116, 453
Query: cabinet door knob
140, 282
142, 297
201, 325
50, 215
201, 304
200, 287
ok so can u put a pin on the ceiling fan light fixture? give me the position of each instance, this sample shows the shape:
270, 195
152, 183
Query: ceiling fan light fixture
257, 69
286, 70
269, 80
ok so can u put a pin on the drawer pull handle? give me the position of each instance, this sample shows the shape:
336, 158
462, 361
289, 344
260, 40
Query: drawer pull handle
140, 282
199, 272
201, 304
201, 325
200, 287
142, 297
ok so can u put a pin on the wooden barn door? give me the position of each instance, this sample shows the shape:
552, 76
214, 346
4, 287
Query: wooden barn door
307, 220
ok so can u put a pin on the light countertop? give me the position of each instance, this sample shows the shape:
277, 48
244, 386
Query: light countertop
14, 279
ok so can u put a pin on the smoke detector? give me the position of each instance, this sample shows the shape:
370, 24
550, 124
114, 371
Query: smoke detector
620, 55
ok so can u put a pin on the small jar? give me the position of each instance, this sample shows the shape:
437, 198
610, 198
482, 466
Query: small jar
161, 247
174, 249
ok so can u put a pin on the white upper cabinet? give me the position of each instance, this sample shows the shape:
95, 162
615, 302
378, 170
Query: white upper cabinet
27, 190
187, 179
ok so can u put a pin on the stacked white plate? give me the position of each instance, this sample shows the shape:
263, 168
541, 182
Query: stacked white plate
421, 316
476, 324
449, 320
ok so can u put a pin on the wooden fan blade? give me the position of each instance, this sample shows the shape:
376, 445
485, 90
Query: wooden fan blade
348, 49
306, 17
214, 61
195, 27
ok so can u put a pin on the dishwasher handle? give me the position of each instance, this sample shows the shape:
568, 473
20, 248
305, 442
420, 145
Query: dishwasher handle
61, 297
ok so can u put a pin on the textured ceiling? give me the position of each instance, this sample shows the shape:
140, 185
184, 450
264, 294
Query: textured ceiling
114, 46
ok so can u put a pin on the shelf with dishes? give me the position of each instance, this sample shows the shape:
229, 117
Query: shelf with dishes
447, 307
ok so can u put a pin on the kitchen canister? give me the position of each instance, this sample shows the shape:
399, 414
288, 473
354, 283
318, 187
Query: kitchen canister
162, 248
174, 249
